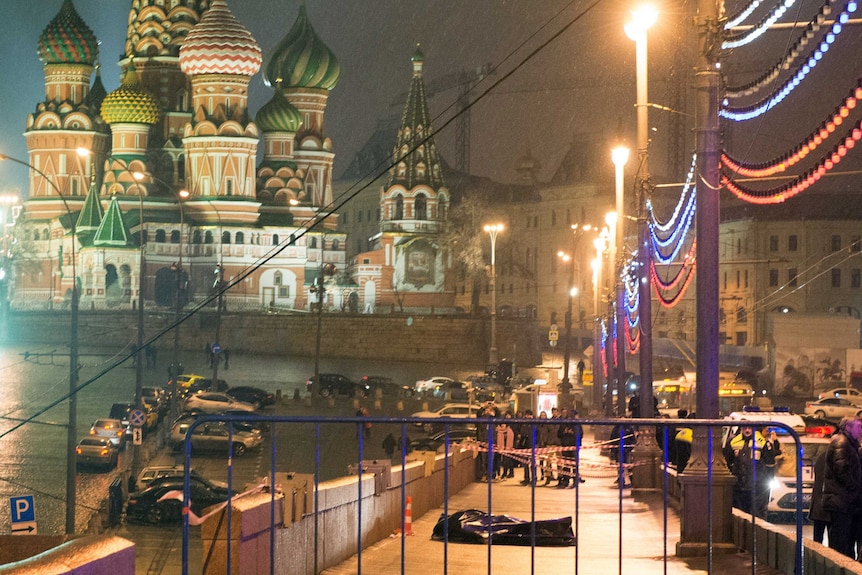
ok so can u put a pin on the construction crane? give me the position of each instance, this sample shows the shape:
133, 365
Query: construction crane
463, 81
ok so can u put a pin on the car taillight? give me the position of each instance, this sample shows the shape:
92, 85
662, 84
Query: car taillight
133, 501
78, 450
92, 432
103, 451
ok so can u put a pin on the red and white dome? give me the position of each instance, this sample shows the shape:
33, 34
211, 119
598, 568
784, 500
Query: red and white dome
219, 44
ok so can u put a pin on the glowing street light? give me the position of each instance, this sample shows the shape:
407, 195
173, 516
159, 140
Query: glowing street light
492, 230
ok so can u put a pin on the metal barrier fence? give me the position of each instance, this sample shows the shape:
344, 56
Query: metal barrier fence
567, 460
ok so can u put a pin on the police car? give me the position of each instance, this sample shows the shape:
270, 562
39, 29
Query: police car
782, 490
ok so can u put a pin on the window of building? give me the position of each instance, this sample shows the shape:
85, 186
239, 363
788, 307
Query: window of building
836, 243
196, 237
741, 315
738, 277
175, 236
240, 238
793, 243
229, 184
773, 278
741, 337
335, 245
225, 237
399, 208
773, 243
160, 236
420, 208
792, 277
724, 281
745, 276
535, 221
344, 218
856, 278
208, 237
275, 241
855, 244
836, 278
312, 243
738, 246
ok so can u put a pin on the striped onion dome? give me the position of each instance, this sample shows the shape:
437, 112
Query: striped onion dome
278, 115
302, 60
67, 39
130, 104
219, 44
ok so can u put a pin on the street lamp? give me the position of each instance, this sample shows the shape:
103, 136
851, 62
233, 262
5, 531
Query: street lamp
643, 18
492, 230
572, 290
71, 430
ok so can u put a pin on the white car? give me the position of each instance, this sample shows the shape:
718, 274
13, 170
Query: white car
833, 408
782, 490
432, 383
214, 402
112, 429
453, 410
851, 394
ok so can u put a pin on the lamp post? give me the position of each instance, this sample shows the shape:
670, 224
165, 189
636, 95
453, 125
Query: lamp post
600, 243
642, 20
571, 259
71, 430
619, 156
139, 364
492, 230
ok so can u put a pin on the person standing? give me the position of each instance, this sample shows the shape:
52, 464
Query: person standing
483, 437
842, 486
581, 368
505, 441
524, 442
816, 514
744, 456
570, 434
226, 354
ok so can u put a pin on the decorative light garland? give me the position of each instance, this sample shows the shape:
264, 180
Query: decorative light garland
671, 223
740, 18
802, 182
737, 40
672, 301
811, 143
687, 263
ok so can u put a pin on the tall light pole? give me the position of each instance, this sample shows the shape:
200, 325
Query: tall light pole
71, 430
619, 156
492, 230
642, 20
139, 355
571, 259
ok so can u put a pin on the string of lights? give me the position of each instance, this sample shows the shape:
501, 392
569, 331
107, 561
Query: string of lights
786, 62
810, 144
746, 37
672, 222
743, 113
735, 21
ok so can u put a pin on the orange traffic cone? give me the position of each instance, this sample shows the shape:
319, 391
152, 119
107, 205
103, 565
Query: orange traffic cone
408, 517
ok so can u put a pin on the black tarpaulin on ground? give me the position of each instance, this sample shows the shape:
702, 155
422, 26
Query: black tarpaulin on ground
474, 526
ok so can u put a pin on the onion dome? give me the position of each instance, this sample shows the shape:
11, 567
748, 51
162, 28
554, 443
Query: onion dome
278, 115
219, 44
67, 39
130, 104
302, 60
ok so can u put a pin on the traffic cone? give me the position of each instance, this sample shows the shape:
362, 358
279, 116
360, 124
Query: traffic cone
408, 517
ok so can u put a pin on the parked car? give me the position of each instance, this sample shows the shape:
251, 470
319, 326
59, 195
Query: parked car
194, 478
185, 381
449, 410
452, 391
206, 384
833, 408
214, 436
818, 427
432, 383
156, 473
386, 385
156, 398
436, 441
336, 384
851, 394
214, 402
97, 451
145, 505
112, 429
252, 395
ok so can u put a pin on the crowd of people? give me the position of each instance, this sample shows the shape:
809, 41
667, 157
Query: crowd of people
557, 442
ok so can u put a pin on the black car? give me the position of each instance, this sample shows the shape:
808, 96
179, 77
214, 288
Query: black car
195, 478
145, 505
437, 440
386, 385
206, 385
252, 395
336, 384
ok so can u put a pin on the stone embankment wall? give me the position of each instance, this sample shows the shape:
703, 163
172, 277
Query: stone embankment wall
436, 339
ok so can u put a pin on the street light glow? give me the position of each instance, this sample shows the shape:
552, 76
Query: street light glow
611, 219
643, 17
619, 156
493, 228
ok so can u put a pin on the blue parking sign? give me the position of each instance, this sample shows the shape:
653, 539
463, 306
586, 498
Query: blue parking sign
23, 509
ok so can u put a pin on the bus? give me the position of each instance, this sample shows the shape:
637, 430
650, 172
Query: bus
681, 393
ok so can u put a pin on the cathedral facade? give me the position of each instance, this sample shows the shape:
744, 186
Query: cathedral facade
157, 185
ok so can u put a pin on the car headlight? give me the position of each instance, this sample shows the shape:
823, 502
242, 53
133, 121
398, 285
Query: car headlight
775, 484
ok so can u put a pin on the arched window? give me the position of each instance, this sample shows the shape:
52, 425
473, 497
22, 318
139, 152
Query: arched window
208, 237
181, 168
421, 207
335, 245
240, 238
36, 235
160, 236
312, 243
275, 241
225, 237
175, 236
196, 237
399, 208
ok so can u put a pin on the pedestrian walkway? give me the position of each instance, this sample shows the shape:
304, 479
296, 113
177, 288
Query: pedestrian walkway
616, 533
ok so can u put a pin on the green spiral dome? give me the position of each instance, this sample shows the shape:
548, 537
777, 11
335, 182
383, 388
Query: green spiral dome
278, 115
302, 60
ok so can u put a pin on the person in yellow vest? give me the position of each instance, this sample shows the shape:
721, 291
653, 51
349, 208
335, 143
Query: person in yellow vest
745, 459
683, 448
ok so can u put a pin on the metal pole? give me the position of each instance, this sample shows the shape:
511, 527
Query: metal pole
139, 356
492, 353
175, 363
217, 356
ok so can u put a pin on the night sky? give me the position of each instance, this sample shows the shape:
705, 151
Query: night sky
580, 83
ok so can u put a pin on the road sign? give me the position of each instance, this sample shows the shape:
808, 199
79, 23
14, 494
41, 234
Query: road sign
553, 343
553, 327
137, 418
137, 436
553, 335
216, 348
23, 515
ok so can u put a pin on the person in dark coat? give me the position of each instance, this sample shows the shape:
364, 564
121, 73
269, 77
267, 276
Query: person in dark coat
570, 433
842, 486
746, 455
816, 514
